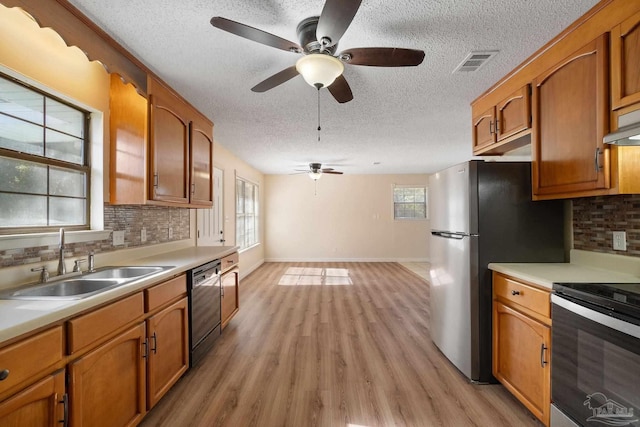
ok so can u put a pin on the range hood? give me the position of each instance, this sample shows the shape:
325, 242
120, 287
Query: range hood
628, 132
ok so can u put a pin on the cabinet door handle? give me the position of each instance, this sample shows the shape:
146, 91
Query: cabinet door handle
4, 374
155, 343
491, 127
155, 180
65, 412
497, 126
597, 160
145, 351
193, 188
515, 293
542, 350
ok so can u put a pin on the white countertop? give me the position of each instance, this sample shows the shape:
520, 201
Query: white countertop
18, 317
545, 274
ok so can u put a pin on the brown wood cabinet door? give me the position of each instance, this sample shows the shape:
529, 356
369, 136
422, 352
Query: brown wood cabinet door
168, 349
483, 129
41, 405
625, 63
230, 295
107, 385
201, 163
513, 114
169, 147
570, 118
521, 349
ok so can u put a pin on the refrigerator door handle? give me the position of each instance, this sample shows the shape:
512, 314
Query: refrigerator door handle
450, 235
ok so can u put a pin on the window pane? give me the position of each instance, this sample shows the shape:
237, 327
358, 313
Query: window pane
19, 101
63, 211
64, 147
248, 200
19, 210
64, 118
66, 183
20, 176
21, 136
239, 196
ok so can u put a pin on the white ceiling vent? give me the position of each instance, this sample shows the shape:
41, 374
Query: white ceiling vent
475, 60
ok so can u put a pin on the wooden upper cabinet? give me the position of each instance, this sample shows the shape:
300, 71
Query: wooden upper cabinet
201, 158
625, 63
168, 146
570, 118
513, 114
500, 128
483, 133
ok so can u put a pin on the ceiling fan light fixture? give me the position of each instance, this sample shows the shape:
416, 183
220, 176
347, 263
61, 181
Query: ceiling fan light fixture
315, 175
319, 69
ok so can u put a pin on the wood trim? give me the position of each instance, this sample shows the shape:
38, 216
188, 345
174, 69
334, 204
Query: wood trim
77, 30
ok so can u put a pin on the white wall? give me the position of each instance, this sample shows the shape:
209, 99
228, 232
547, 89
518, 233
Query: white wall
231, 165
350, 218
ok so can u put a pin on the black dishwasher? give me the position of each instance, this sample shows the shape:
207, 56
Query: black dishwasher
204, 309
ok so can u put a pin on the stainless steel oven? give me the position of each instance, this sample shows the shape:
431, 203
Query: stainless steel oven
595, 372
204, 309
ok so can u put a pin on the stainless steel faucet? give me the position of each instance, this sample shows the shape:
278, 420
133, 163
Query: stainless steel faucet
61, 267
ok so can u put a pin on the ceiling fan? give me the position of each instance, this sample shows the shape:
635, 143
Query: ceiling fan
316, 170
319, 37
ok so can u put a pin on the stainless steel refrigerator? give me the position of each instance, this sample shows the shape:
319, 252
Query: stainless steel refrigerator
481, 212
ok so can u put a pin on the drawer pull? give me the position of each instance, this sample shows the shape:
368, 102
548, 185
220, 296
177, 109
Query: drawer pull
515, 293
4, 374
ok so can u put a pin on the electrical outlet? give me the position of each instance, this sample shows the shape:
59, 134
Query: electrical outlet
143, 235
170, 233
118, 238
619, 240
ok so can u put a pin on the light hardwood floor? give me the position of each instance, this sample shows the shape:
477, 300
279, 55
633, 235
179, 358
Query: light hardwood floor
332, 344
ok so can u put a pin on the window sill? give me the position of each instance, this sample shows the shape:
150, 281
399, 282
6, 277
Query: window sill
22, 241
249, 248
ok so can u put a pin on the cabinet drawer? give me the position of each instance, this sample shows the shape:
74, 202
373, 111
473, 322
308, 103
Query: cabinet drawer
163, 293
229, 261
32, 356
526, 296
90, 329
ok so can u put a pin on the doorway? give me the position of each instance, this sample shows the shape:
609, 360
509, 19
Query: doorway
210, 222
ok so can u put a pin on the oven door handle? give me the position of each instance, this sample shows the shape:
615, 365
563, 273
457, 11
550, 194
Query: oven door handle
597, 316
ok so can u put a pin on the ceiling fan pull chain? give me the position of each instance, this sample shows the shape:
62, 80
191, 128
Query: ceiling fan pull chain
318, 113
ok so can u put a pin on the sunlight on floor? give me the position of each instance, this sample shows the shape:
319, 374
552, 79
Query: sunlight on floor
306, 276
419, 268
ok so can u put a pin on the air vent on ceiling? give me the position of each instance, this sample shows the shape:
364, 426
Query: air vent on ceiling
475, 60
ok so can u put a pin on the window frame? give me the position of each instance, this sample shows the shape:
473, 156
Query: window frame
85, 167
426, 202
243, 215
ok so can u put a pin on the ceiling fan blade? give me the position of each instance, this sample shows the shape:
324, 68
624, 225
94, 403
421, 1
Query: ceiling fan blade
254, 34
340, 90
327, 169
333, 172
335, 18
276, 79
384, 56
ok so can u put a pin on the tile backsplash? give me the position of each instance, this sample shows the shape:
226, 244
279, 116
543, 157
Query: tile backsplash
596, 218
156, 221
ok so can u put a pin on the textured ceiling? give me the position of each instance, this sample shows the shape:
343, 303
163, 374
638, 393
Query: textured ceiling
411, 120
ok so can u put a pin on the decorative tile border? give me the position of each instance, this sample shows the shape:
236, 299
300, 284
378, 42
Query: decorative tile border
596, 218
156, 220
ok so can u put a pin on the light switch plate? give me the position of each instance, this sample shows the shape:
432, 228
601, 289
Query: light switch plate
619, 240
118, 238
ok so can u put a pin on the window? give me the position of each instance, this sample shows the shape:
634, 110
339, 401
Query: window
246, 213
410, 202
44, 170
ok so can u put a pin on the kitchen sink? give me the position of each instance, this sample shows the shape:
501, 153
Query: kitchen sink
123, 272
82, 285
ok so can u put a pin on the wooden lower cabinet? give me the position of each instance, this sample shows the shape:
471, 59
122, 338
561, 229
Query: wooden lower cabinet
230, 295
107, 385
521, 351
43, 404
168, 334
